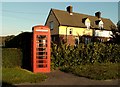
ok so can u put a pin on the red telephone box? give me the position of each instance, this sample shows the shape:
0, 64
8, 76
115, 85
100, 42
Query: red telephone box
41, 49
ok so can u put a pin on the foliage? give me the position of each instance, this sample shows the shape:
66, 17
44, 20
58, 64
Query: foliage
7, 39
93, 60
98, 71
116, 34
12, 60
24, 42
11, 57
18, 75
65, 55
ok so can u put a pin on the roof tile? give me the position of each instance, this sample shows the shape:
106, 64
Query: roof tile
75, 20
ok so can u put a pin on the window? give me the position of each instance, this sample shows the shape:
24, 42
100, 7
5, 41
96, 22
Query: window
87, 23
87, 40
54, 38
101, 40
70, 31
100, 25
51, 25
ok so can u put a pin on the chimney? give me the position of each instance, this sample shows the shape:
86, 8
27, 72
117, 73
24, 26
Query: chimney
69, 9
98, 15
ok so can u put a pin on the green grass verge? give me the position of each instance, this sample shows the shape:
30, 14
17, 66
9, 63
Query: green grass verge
95, 71
18, 75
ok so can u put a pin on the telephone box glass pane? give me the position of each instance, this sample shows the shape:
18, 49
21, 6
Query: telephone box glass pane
41, 40
42, 61
41, 51
42, 66
41, 57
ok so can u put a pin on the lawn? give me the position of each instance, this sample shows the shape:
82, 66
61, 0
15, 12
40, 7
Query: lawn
100, 71
18, 75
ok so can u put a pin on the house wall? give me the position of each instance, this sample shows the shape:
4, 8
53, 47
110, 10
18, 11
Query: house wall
64, 33
52, 17
103, 33
59, 33
64, 30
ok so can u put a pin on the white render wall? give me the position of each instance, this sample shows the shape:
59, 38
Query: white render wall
103, 33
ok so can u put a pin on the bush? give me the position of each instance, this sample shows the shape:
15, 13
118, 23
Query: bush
11, 57
65, 55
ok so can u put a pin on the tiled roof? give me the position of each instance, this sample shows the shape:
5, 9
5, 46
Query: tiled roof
75, 20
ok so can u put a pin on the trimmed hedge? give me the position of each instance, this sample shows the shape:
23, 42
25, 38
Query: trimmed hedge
11, 57
65, 55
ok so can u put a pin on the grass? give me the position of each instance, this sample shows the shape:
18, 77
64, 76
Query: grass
18, 75
11, 71
101, 71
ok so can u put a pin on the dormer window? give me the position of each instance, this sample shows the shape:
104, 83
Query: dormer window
87, 23
100, 24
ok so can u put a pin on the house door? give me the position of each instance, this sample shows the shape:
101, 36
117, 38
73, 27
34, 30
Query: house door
76, 41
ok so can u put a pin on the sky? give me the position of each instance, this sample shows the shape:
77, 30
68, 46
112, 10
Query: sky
20, 17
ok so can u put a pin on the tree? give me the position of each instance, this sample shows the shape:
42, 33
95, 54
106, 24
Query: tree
116, 33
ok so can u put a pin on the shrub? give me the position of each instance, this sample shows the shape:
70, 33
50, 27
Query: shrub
65, 55
11, 57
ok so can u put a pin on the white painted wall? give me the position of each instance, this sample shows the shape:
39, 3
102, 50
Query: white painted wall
103, 33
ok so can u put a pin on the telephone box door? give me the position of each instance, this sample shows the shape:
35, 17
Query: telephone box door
41, 49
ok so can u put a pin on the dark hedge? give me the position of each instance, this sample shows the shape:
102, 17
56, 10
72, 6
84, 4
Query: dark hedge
11, 57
